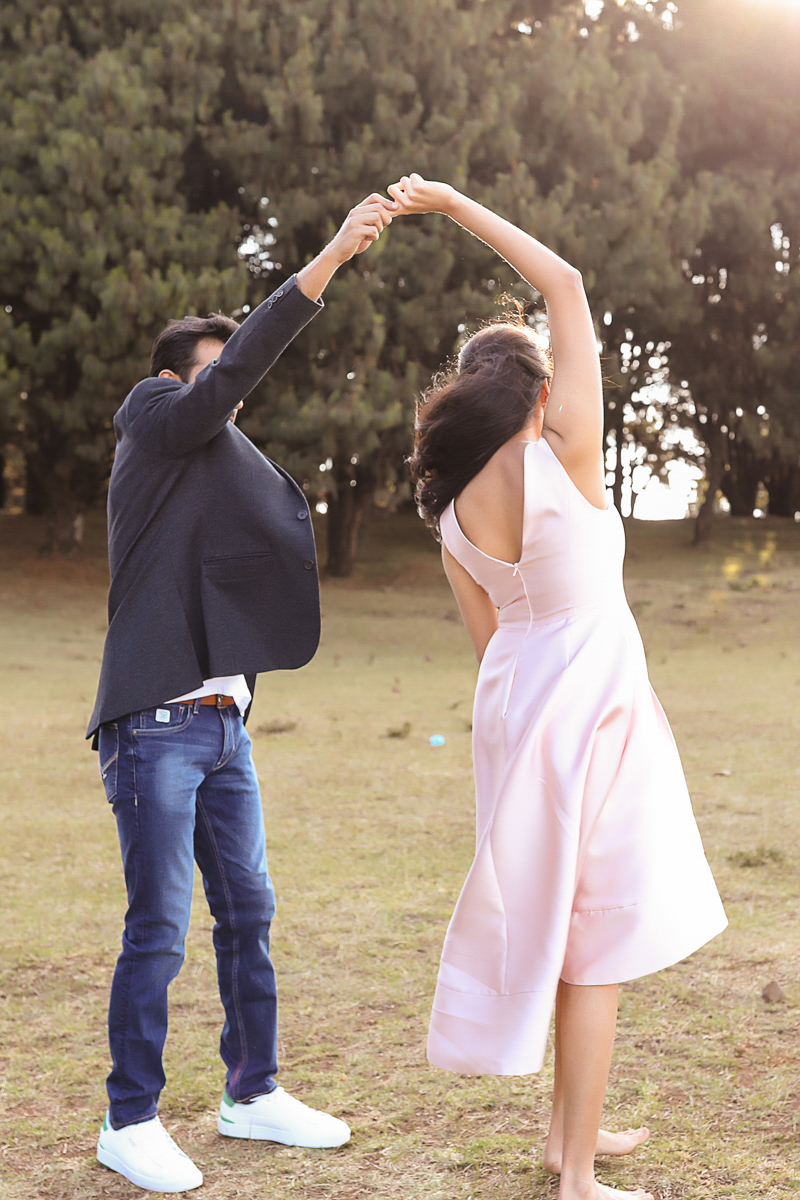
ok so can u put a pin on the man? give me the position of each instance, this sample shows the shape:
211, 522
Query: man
213, 579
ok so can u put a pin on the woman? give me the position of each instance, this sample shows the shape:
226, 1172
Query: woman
589, 868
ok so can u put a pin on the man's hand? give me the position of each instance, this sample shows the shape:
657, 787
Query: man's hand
363, 225
417, 195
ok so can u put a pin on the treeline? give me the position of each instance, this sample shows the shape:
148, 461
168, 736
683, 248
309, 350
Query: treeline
164, 159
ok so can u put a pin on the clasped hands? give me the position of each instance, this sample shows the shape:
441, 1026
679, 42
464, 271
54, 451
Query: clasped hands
366, 222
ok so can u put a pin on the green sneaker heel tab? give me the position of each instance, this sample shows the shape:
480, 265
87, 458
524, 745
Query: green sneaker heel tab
227, 1100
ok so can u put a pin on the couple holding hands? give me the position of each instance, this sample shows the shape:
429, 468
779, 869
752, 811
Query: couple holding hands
589, 869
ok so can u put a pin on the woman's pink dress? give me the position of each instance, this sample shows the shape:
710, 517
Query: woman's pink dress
589, 865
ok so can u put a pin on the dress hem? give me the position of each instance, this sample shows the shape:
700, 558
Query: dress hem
512, 1028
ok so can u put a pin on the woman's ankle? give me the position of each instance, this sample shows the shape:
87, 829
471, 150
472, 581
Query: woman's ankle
577, 1183
577, 1191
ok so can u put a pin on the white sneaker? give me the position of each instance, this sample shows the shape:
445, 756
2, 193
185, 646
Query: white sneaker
278, 1117
147, 1156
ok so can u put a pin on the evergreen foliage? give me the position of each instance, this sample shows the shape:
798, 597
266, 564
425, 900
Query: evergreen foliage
573, 137
738, 345
100, 241
157, 160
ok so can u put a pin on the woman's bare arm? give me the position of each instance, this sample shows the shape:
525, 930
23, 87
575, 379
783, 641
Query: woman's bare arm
480, 615
573, 421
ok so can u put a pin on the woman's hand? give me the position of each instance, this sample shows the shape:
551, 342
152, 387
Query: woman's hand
417, 195
363, 225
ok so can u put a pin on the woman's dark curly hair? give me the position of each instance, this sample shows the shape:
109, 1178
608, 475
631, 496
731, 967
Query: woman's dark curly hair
472, 409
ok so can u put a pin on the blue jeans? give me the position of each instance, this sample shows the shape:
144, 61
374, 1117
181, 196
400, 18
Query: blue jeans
183, 791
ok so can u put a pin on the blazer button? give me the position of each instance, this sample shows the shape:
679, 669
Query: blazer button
308, 564
301, 516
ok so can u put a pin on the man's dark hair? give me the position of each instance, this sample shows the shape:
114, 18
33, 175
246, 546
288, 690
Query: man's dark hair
175, 348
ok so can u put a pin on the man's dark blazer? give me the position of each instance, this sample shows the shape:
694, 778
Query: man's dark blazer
211, 549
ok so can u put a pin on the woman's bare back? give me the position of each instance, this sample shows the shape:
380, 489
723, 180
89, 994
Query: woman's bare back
490, 508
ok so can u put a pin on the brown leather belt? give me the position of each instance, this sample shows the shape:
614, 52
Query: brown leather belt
219, 701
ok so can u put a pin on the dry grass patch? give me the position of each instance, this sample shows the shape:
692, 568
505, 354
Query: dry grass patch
370, 835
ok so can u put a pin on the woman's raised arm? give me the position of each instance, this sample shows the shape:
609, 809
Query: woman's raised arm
573, 421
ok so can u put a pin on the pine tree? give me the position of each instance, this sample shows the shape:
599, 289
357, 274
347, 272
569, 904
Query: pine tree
552, 127
100, 240
735, 348
184, 158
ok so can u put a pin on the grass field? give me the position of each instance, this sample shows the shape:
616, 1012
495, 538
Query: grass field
370, 835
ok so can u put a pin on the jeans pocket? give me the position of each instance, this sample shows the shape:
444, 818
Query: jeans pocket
169, 718
108, 747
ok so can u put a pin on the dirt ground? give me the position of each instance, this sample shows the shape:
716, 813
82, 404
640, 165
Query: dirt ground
370, 834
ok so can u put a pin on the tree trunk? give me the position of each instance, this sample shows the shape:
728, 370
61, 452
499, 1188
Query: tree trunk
346, 516
49, 484
35, 494
783, 484
739, 482
714, 473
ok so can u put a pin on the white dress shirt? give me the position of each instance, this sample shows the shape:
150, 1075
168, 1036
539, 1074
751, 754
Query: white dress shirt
221, 685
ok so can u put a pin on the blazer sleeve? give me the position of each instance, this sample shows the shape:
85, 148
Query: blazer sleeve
173, 418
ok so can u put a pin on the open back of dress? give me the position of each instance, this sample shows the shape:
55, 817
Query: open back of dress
589, 865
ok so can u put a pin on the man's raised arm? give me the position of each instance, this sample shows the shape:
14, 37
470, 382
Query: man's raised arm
174, 417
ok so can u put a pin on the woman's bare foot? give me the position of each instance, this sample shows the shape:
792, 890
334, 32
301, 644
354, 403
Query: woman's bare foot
607, 1193
613, 1144
601, 1191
